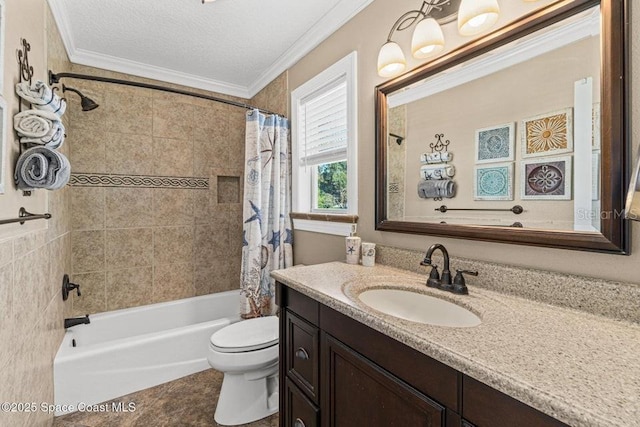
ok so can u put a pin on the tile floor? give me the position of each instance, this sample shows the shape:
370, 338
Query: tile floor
187, 402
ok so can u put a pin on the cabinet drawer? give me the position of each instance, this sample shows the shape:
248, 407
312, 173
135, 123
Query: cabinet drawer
305, 307
303, 365
300, 411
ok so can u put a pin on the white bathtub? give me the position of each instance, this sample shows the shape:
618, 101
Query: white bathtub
136, 348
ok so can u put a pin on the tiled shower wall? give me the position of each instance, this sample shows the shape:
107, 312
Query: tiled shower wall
397, 158
136, 246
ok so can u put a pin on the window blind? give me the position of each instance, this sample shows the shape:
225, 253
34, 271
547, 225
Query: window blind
324, 130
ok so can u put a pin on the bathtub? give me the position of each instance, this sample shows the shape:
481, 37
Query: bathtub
129, 350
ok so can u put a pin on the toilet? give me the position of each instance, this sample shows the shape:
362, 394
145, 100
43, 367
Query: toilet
247, 353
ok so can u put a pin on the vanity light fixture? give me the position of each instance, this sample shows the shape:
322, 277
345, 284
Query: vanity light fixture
474, 16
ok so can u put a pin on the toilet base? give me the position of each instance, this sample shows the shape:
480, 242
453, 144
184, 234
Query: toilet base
244, 399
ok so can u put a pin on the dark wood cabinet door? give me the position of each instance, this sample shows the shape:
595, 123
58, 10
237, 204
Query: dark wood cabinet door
486, 407
357, 392
302, 354
299, 411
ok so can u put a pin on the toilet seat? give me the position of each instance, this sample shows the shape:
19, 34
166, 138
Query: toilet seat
246, 335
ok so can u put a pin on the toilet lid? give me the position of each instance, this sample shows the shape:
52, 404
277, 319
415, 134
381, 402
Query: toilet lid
247, 335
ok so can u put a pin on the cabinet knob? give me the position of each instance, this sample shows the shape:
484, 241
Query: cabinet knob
301, 353
299, 423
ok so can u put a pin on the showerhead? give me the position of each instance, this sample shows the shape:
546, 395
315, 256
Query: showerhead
87, 103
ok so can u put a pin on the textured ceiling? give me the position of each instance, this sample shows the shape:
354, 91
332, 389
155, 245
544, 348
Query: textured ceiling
232, 46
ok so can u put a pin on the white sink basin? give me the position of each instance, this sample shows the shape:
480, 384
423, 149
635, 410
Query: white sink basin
419, 308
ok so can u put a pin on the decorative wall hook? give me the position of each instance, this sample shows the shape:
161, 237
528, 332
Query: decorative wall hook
26, 70
439, 145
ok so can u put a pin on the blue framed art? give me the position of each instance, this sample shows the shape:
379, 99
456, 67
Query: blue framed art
495, 144
493, 182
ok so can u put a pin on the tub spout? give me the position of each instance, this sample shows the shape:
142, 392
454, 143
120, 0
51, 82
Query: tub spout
76, 321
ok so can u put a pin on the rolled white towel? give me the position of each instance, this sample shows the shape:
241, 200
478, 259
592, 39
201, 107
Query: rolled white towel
41, 97
429, 172
39, 127
437, 157
42, 167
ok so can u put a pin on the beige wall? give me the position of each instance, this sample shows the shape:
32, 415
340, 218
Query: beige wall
33, 262
377, 19
524, 90
136, 246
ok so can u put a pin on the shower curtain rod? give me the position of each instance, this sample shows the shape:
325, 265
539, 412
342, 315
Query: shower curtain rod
55, 78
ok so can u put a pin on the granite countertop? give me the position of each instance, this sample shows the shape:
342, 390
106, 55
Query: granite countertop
580, 368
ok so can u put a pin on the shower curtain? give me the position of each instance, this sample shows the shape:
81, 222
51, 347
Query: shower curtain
267, 235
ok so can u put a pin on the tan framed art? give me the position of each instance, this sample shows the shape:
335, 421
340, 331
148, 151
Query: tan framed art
548, 134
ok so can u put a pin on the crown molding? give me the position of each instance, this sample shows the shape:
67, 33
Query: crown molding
327, 25
63, 25
112, 63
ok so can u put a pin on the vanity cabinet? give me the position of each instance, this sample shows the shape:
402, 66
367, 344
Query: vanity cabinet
336, 371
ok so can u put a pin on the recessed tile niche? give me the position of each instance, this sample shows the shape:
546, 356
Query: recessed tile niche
228, 189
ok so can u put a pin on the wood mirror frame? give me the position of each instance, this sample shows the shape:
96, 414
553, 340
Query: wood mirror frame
613, 237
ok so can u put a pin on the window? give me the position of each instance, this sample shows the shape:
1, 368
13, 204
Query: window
324, 144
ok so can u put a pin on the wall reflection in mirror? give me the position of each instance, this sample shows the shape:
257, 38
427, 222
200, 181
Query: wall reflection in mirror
522, 124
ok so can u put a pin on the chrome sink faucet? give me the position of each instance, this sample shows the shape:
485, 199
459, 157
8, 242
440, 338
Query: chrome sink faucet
444, 282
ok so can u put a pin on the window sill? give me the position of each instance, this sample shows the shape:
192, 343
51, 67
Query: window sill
336, 224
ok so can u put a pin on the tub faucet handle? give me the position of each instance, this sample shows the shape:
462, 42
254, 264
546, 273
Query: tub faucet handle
68, 287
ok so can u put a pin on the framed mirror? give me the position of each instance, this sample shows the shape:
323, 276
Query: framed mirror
518, 137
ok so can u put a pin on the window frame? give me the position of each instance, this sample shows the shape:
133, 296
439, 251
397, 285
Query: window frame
302, 184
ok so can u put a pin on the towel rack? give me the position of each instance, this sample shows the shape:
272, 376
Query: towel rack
25, 75
24, 216
517, 209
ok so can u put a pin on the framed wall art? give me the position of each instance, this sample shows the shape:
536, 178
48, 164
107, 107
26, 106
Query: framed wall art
495, 144
546, 179
548, 134
493, 182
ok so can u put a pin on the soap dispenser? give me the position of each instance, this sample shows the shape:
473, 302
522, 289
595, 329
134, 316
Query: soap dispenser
353, 243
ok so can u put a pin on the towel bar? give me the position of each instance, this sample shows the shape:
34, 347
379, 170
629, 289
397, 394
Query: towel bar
24, 216
517, 209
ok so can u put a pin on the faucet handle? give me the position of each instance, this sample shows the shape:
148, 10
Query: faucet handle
459, 283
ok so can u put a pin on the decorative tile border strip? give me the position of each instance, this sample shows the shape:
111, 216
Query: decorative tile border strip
137, 181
